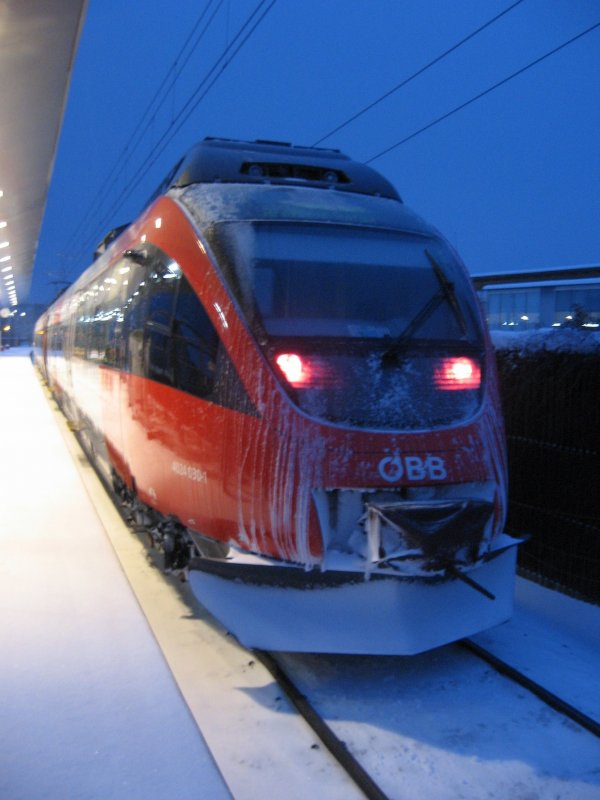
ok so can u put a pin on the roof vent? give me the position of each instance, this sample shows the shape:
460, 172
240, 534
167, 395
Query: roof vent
263, 161
295, 172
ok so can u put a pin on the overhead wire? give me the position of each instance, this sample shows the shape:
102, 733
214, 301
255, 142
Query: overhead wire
229, 53
416, 74
483, 94
220, 65
149, 114
226, 64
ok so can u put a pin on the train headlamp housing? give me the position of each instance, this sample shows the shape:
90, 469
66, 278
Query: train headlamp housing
352, 386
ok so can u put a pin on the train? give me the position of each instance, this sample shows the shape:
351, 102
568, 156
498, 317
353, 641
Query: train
286, 376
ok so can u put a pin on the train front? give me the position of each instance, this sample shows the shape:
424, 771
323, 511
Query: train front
370, 484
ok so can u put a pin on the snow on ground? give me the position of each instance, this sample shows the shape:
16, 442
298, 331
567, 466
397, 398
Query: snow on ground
445, 726
554, 640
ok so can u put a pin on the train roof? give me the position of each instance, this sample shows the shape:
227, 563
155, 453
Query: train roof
215, 160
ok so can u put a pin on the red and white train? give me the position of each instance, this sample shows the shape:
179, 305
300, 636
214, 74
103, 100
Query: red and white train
286, 374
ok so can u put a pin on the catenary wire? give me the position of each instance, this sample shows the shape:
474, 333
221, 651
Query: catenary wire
482, 94
226, 59
220, 65
416, 74
168, 134
150, 112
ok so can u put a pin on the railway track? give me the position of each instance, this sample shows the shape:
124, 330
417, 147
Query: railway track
340, 750
332, 742
549, 698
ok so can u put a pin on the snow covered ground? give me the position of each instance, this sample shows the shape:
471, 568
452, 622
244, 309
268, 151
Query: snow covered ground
116, 684
445, 725
554, 640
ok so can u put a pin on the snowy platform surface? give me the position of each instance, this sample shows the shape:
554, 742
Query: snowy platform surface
117, 684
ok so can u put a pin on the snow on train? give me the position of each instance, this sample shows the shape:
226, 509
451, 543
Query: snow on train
286, 375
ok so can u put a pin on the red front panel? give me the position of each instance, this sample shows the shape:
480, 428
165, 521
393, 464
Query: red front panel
250, 477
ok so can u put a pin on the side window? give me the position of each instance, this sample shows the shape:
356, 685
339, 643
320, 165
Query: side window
99, 319
81, 327
168, 337
195, 344
160, 291
57, 338
134, 307
112, 306
151, 282
89, 322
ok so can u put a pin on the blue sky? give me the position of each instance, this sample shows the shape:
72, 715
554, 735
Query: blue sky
513, 180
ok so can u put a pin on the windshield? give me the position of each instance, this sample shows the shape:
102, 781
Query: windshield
370, 312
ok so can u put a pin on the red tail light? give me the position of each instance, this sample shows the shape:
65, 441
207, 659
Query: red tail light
307, 371
294, 368
453, 373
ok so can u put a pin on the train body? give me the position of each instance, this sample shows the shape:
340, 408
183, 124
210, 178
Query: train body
286, 375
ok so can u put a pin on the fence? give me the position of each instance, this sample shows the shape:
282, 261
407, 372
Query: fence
552, 414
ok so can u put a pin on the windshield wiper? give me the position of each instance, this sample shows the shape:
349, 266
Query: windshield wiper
446, 292
449, 292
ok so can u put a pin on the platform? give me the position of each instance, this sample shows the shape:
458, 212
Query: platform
89, 707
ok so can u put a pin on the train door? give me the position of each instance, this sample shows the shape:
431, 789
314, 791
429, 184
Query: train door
109, 349
172, 430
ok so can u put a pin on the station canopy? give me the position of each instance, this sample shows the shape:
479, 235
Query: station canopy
38, 42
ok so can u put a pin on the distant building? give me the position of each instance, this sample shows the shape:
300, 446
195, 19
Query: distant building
16, 324
553, 298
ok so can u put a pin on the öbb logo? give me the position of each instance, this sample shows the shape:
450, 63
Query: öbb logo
415, 468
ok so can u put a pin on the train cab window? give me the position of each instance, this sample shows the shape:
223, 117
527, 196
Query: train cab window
202, 366
169, 337
195, 344
160, 292
160, 289
151, 283
369, 317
